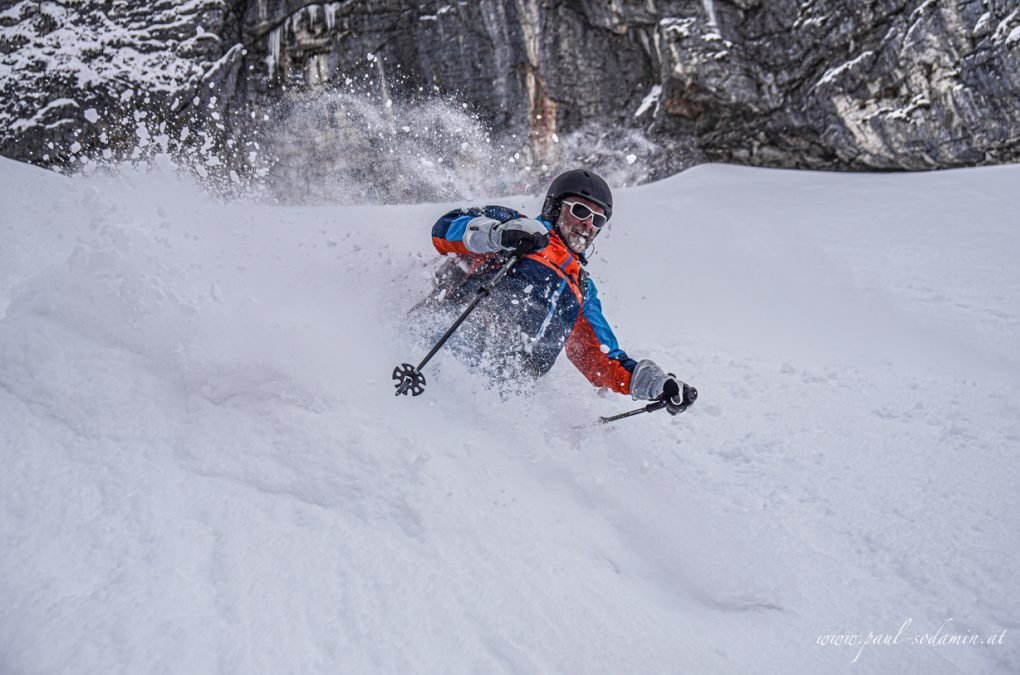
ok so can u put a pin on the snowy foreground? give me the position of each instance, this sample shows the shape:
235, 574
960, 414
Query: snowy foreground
204, 468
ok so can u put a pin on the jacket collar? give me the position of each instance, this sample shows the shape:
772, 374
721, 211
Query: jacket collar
562, 250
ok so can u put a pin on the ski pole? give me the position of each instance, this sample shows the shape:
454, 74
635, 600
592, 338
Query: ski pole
692, 396
410, 378
651, 407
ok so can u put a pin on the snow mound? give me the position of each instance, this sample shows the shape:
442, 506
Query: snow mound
205, 468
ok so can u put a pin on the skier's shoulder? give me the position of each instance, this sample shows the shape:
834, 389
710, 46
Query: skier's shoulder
494, 211
501, 213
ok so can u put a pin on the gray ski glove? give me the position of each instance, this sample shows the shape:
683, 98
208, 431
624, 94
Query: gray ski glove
647, 380
520, 236
649, 383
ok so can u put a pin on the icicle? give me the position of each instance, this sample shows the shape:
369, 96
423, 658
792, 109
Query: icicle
710, 10
331, 10
273, 60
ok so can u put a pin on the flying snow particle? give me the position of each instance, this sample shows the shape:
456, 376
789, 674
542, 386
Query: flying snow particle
91, 115
631, 158
75, 148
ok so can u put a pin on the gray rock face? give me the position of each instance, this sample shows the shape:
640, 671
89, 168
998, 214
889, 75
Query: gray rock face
895, 84
81, 77
882, 84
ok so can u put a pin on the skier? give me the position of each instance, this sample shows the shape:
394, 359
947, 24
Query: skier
547, 301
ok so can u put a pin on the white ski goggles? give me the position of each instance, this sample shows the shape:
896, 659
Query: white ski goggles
584, 212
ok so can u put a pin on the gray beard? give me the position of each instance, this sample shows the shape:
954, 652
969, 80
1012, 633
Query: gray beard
577, 243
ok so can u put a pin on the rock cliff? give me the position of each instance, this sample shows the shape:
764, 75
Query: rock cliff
875, 84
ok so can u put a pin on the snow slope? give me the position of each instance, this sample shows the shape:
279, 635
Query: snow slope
205, 469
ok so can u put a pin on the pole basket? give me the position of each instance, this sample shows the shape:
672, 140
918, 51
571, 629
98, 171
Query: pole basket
409, 380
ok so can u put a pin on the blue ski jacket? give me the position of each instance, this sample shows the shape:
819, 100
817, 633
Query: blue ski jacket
553, 299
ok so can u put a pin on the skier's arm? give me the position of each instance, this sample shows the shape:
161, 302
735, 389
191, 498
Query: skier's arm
593, 348
448, 232
487, 230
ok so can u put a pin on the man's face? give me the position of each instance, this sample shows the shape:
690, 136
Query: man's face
578, 234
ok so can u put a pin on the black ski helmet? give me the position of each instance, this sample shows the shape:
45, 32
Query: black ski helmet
581, 183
